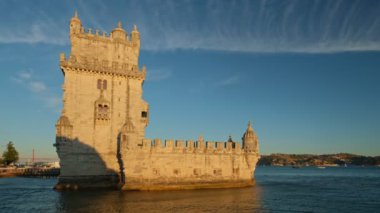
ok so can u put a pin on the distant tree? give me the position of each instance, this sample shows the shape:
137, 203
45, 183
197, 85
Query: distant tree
10, 155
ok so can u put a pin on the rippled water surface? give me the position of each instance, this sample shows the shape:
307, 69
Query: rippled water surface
278, 189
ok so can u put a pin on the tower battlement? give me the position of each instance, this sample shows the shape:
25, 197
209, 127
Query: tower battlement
114, 53
100, 135
190, 147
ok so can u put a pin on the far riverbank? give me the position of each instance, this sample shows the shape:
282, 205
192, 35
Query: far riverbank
340, 159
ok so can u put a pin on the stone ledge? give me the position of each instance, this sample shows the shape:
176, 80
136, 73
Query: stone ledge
187, 185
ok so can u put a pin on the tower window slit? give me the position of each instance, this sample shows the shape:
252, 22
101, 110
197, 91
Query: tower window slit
99, 84
104, 84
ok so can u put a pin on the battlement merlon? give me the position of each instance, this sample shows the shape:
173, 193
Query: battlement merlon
118, 47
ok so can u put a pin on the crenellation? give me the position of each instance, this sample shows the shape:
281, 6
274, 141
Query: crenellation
120, 38
147, 143
169, 145
157, 144
238, 148
210, 146
220, 147
200, 145
180, 144
190, 146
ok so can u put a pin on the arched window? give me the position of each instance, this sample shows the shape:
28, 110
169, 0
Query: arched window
102, 111
99, 84
102, 84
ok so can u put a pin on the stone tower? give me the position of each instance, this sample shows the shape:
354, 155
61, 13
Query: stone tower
100, 133
102, 102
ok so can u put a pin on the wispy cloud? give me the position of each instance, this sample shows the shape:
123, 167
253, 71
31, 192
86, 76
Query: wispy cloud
158, 74
266, 26
262, 26
228, 81
24, 75
33, 34
38, 88
32, 23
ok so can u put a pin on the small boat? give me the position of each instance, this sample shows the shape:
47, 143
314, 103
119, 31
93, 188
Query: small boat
321, 167
296, 167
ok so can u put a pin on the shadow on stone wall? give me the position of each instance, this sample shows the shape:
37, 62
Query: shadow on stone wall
120, 160
83, 167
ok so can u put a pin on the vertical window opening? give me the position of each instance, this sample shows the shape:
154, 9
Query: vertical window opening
99, 84
104, 84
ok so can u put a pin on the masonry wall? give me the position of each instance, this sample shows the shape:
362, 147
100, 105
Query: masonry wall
80, 95
180, 165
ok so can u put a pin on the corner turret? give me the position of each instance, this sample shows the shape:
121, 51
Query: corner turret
75, 24
119, 33
63, 129
135, 39
250, 141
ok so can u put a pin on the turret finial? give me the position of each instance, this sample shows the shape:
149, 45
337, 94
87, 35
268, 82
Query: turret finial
249, 128
134, 27
119, 24
76, 14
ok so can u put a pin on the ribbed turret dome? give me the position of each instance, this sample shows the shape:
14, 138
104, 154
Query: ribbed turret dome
63, 121
119, 32
75, 17
249, 133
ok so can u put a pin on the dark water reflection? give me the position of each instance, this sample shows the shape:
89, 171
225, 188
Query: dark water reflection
221, 200
277, 190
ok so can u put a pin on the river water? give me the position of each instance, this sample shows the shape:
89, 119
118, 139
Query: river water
278, 189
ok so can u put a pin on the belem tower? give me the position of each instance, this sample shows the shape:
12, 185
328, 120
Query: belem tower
100, 135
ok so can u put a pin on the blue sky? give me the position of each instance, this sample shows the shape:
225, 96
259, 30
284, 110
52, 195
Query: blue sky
305, 72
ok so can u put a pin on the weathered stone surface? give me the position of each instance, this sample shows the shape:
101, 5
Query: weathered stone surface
100, 134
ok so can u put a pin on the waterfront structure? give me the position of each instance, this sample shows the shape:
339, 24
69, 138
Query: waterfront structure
100, 135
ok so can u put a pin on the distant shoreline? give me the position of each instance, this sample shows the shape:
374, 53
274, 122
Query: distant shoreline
29, 172
327, 160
